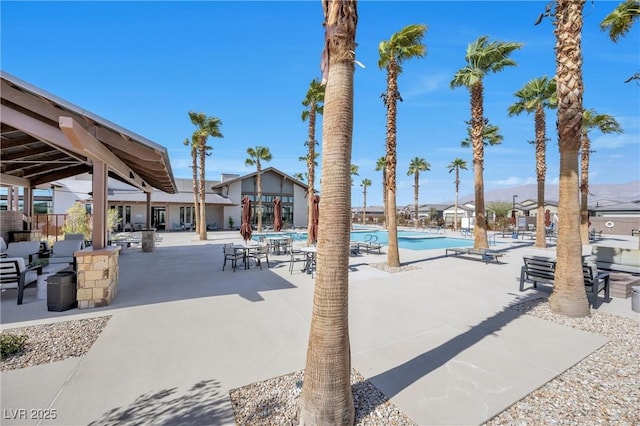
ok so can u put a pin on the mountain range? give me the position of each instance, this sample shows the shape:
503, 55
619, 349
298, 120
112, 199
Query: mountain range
598, 193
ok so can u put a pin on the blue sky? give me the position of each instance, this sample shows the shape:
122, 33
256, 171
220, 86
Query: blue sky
144, 65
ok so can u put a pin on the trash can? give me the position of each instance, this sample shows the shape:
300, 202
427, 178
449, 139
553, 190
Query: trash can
635, 298
61, 291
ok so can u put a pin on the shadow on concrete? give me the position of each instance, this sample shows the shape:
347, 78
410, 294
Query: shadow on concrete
203, 404
393, 381
168, 274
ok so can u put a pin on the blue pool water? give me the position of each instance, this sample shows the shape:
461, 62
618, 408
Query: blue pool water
415, 240
406, 239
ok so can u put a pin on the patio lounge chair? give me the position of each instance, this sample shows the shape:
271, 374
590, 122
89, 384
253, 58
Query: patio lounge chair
28, 250
485, 254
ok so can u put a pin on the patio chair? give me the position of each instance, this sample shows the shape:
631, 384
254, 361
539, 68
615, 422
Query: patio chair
75, 237
260, 252
296, 256
63, 252
231, 255
3, 248
28, 250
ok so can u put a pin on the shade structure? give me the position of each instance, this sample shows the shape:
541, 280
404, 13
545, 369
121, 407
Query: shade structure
547, 218
315, 215
245, 227
277, 215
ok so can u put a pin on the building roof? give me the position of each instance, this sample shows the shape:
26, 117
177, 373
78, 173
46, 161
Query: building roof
621, 207
267, 170
35, 148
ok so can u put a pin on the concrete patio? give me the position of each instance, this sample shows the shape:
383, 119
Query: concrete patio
183, 333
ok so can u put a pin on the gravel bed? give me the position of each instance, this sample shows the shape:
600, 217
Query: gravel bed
54, 342
602, 389
273, 402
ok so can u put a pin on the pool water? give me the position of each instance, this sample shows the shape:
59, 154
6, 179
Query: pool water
406, 239
415, 240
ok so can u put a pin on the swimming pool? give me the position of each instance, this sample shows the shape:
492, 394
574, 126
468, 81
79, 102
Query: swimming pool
416, 240
406, 239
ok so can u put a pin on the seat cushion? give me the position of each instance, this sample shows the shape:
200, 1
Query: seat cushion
65, 248
23, 249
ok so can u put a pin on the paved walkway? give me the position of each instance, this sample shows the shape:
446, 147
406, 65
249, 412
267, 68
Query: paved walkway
183, 333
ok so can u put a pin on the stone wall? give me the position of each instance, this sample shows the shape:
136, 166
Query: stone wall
10, 220
97, 276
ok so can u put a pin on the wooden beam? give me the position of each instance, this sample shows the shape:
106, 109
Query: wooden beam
8, 180
84, 141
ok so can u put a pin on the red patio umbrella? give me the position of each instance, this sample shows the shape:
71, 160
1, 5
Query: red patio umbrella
315, 215
245, 227
547, 218
277, 215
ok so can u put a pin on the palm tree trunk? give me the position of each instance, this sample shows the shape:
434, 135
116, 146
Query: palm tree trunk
364, 207
541, 170
569, 296
415, 198
311, 137
384, 198
584, 188
259, 184
326, 397
202, 222
393, 255
477, 125
194, 157
455, 212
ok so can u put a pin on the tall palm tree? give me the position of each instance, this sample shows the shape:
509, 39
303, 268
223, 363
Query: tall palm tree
299, 176
621, 19
569, 296
535, 96
194, 167
326, 396
482, 57
457, 164
416, 166
313, 106
381, 165
404, 45
256, 156
365, 183
205, 127
606, 124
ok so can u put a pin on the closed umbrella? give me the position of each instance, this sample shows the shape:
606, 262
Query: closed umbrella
245, 227
277, 215
547, 218
315, 215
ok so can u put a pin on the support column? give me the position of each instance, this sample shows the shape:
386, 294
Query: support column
27, 206
99, 183
148, 210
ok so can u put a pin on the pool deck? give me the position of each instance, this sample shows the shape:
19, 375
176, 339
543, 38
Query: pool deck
183, 333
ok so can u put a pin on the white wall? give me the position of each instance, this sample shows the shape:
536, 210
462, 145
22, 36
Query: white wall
300, 207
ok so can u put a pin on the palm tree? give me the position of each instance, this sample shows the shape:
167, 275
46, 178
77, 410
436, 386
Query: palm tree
606, 124
569, 296
256, 156
353, 171
299, 176
404, 45
621, 19
381, 164
535, 96
313, 164
457, 164
194, 167
416, 166
326, 396
482, 57
206, 126
365, 183
313, 103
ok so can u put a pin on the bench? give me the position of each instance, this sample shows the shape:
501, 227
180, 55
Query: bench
542, 270
485, 254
